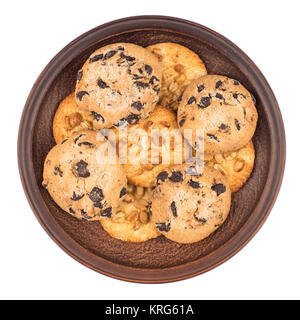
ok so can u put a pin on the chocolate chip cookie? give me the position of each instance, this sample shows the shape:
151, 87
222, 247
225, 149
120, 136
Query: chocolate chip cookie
187, 208
131, 222
180, 67
119, 82
81, 180
222, 110
69, 118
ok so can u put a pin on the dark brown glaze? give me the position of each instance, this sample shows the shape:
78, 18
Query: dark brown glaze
156, 260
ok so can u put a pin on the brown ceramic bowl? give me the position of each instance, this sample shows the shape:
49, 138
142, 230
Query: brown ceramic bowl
157, 260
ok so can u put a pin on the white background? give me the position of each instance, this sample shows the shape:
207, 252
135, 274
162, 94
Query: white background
32, 266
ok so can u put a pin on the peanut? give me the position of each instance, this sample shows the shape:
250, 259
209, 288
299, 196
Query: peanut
73, 120
179, 67
238, 165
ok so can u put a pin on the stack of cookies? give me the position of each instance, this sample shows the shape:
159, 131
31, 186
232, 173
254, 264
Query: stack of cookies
122, 156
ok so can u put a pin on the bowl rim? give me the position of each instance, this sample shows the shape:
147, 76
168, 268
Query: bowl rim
222, 253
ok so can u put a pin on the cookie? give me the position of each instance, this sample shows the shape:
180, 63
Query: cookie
180, 67
236, 166
131, 222
222, 110
188, 208
119, 82
69, 118
80, 181
153, 144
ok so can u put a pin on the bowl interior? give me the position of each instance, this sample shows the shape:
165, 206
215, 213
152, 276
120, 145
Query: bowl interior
156, 253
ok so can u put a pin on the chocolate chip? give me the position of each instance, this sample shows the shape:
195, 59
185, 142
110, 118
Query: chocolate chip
122, 192
131, 64
211, 136
76, 197
109, 54
218, 188
237, 124
116, 92
219, 96
205, 102
194, 184
106, 212
200, 88
176, 176
161, 176
191, 100
157, 90
102, 84
141, 84
58, 171
179, 98
127, 58
121, 48
78, 137
97, 116
201, 219
148, 69
236, 96
80, 94
152, 79
137, 77
86, 143
64, 141
98, 205
81, 168
174, 209
96, 195
223, 126
79, 75
137, 105
84, 214
71, 211
181, 122
95, 58
140, 70
235, 82
218, 84
133, 118
163, 227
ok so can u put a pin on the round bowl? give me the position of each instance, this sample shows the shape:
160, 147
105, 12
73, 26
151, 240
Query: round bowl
156, 260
